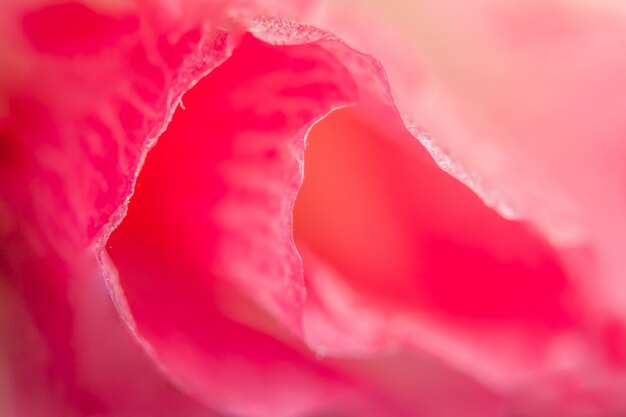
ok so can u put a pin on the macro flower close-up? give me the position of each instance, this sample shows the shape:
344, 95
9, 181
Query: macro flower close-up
307, 208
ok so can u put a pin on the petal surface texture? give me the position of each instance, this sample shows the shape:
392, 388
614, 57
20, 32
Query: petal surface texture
263, 209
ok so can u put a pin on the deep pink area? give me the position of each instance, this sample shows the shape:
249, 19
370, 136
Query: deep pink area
65, 350
400, 229
71, 28
74, 130
210, 217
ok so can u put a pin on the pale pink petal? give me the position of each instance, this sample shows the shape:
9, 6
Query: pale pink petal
523, 101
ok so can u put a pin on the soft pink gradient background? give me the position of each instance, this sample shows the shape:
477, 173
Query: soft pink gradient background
261, 208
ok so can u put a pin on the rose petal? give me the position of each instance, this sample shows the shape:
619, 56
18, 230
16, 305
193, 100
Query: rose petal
64, 349
489, 297
212, 208
548, 340
492, 84
78, 149
528, 96
208, 209
77, 116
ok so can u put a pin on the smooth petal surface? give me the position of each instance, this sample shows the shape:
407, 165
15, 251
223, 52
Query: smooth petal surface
499, 285
77, 150
490, 296
522, 102
65, 351
528, 96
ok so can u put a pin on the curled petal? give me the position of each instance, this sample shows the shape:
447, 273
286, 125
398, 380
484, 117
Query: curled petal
379, 252
209, 230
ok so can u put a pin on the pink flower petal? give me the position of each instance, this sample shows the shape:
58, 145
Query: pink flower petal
396, 254
529, 97
209, 205
435, 270
212, 207
64, 349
